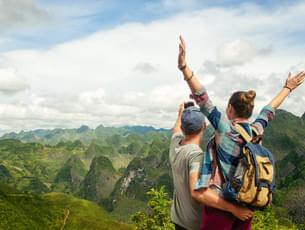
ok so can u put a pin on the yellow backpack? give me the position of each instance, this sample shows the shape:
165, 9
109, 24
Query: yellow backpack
253, 182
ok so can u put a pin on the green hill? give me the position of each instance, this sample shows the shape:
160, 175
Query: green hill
285, 133
70, 176
21, 211
100, 180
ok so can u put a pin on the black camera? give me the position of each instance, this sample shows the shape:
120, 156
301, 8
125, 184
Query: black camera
188, 104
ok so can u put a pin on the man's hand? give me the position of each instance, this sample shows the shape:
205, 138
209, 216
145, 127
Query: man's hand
242, 213
181, 56
177, 126
181, 109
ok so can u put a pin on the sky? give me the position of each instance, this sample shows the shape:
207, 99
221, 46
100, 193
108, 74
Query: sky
67, 63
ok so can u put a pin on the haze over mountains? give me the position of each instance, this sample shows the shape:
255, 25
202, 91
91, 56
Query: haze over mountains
115, 167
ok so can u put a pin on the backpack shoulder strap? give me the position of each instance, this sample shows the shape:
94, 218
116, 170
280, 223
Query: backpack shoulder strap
254, 130
243, 133
257, 138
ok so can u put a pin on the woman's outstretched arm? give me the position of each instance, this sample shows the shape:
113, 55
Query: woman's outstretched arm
218, 121
189, 76
291, 84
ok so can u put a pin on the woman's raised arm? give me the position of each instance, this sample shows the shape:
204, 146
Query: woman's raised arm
291, 84
189, 77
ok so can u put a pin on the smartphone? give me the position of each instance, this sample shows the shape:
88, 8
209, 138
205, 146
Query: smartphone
188, 104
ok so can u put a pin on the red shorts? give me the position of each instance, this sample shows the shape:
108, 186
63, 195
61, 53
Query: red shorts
215, 219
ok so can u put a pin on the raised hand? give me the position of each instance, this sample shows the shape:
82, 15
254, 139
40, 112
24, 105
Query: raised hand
181, 109
181, 56
291, 84
294, 82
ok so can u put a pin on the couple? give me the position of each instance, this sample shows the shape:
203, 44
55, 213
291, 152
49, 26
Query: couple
198, 202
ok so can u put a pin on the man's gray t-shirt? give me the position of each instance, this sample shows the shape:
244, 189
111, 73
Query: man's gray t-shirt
184, 160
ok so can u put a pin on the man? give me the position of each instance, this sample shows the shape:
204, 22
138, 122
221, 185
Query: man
186, 159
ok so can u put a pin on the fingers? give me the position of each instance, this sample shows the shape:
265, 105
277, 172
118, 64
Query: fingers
244, 213
295, 81
246, 217
182, 42
300, 82
299, 78
181, 108
248, 214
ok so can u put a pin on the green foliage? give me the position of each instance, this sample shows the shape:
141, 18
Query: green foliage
96, 149
159, 216
268, 220
132, 148
36, 186
26, 211
22, 211
5, 175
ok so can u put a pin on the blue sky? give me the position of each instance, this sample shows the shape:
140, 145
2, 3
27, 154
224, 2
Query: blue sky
68, 63
66, 20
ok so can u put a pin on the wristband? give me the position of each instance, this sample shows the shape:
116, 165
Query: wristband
288, 88
182, 67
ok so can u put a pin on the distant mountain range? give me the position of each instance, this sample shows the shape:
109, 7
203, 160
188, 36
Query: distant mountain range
83, 133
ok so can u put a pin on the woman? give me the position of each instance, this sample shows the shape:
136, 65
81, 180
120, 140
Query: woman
229, 141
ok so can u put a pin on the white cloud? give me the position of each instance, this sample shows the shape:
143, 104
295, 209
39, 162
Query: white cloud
10, 83
129, 75
238, 52
146, 68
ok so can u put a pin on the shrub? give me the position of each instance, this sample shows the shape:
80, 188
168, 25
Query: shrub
159, 217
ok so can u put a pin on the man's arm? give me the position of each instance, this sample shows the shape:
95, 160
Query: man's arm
177, 126
210, 198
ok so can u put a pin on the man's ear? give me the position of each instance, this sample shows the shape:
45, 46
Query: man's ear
204, 126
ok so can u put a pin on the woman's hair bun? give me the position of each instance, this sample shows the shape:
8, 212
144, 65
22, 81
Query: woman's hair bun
248, 97
251, 95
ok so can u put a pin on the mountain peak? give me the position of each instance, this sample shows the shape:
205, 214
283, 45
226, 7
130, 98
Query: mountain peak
82, 129
303, 116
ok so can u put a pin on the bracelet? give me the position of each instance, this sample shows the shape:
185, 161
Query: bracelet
189, 78
182, 67
288, 88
